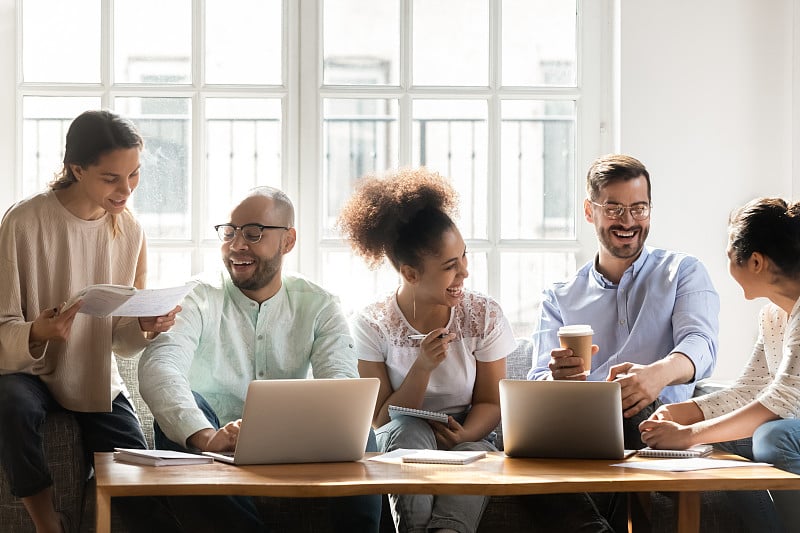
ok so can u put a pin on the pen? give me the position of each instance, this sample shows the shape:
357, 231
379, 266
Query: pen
420, 337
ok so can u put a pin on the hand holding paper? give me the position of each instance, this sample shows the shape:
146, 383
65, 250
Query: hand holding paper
118, 300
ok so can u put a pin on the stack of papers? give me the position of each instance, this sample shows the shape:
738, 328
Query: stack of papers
687, 465
159, 457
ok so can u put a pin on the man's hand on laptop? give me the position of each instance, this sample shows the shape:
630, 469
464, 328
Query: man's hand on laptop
222, 440
564, 365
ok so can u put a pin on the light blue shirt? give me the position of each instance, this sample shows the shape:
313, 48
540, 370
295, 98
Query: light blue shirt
222, 340
664, 303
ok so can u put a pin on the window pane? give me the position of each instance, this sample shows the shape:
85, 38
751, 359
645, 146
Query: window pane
244, 151
153, 41
523, 277
478, 267
45, 121
347, 276
361, 42
451, 42
359, 137
167, 268
537, 162
60, 40
243, 42
450, 137
539, 42
161, 202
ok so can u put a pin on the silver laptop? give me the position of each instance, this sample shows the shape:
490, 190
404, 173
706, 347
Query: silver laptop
566, 419
304, 421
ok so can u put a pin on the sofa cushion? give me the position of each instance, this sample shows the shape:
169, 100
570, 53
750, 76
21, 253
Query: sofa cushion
69, 470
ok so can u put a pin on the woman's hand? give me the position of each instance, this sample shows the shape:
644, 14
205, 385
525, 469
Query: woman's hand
667, 435
158, 324
433, 349
447, 435
53, 323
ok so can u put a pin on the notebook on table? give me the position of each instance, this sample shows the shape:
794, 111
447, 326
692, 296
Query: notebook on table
304, 421
565, 419
699, 450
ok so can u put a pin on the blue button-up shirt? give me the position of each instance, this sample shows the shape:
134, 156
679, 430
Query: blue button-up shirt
222, 340
664, 303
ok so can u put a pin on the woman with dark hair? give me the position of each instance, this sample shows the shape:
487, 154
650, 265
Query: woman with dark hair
757, 417
434, 344
77, 233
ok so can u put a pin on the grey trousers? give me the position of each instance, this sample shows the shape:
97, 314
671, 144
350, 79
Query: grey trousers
414, 513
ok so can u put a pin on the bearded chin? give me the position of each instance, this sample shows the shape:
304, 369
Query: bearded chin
263, 276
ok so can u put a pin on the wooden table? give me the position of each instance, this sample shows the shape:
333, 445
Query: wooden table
495, 475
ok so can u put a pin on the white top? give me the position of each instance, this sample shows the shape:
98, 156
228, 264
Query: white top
772, 375
482, 333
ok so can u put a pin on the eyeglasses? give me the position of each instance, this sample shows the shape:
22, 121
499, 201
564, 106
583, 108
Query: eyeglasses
250, 232
617, 211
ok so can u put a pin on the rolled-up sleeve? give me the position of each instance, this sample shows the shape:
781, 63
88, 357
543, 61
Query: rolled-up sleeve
333, 352
545, 337
163, 375
695, 318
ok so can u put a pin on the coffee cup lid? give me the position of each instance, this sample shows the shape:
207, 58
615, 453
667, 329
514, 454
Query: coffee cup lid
575, 330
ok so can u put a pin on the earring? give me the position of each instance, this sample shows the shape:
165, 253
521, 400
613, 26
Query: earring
414, 303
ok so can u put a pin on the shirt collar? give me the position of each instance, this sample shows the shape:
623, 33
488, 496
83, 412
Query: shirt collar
246, 304
634, 269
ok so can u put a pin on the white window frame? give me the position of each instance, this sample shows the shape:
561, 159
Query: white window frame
595, 106
302, 95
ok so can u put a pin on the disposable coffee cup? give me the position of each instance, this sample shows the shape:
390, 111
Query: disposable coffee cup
578, 338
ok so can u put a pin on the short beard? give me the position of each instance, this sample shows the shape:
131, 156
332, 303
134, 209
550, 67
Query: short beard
624, 252
267, 270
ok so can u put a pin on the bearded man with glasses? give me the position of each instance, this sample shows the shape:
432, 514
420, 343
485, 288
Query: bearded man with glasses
249, 321
654, 315
654, 312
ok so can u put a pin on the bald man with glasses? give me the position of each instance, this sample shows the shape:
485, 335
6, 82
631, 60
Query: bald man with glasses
247, 321
654, 312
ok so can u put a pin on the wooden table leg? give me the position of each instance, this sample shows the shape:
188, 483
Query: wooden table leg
639, 512
103, 511
688, 512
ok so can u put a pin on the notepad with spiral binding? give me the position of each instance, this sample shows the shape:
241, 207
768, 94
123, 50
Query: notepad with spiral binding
395, 411
701, 450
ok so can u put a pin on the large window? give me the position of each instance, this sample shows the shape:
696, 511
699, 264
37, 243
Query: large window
309, 96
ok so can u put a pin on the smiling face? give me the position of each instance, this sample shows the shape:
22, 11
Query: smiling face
104, 187
255, 267
441, 277
623, 238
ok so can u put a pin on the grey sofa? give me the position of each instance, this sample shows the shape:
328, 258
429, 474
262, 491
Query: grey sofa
74, 487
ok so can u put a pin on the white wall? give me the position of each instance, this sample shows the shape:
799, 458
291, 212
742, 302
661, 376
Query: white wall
705, 101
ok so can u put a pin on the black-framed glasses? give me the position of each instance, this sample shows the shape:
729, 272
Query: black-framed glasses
250, 232
617, 211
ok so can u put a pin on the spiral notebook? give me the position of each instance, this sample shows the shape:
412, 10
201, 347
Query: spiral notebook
701, 450
395, 411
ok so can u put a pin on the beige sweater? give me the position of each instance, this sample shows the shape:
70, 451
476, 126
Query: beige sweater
46, 255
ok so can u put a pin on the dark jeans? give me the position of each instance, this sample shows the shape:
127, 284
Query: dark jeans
614, 505
238, 513
24, 404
